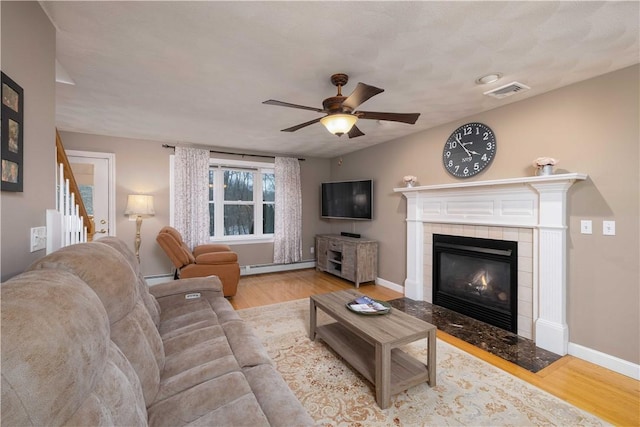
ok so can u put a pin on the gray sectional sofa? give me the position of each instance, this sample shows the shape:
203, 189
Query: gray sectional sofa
86, 342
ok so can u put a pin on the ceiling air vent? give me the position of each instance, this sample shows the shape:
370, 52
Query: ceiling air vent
507, 90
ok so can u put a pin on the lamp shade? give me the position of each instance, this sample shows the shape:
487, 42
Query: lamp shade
140, 205
339, 124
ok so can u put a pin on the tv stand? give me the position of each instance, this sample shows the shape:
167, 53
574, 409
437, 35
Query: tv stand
353, 259
354, 235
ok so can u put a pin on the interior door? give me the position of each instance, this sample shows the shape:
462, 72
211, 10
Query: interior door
95, 174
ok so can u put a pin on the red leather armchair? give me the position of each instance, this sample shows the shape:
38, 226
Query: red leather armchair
205, 260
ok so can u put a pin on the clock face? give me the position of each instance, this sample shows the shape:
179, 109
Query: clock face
469, 150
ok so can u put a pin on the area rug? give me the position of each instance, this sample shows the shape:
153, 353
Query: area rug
470, 392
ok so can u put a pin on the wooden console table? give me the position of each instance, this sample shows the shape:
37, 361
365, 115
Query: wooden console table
353, 259
369, 344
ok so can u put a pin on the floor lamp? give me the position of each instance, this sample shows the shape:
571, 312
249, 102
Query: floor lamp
139, 206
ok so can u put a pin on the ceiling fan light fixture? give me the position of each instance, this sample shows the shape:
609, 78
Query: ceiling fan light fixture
339, 124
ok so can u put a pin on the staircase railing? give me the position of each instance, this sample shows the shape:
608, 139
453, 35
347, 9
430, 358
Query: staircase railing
69, 223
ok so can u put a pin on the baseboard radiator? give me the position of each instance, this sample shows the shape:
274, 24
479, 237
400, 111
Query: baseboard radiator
247, 270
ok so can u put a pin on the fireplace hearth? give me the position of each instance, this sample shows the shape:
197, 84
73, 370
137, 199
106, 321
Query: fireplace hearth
477, 277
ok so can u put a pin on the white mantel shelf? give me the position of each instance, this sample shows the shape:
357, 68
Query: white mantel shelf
496, 182
536, 202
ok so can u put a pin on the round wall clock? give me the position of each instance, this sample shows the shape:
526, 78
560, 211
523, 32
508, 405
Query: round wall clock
469, 150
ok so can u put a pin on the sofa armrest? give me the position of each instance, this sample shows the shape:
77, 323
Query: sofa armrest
211, 247
213, 258
210, 284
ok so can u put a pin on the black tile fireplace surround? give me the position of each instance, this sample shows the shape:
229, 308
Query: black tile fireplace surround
506, 345
477, 277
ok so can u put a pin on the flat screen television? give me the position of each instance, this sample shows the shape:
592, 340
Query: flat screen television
347, 200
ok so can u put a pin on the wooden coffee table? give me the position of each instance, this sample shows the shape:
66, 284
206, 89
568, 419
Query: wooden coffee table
369, 344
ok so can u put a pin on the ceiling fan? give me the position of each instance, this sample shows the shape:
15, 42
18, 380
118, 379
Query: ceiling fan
340, 116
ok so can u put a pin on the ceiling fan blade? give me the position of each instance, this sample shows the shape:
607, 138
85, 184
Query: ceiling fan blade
360, 94
355, 132
301, 125
409, 118
287, 104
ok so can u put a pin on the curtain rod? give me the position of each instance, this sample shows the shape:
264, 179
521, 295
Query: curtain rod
233, 154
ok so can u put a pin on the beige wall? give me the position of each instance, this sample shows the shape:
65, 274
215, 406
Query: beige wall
28, 57
591, 127
143, 167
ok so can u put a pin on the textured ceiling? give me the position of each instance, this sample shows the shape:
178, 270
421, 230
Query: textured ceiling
197, 72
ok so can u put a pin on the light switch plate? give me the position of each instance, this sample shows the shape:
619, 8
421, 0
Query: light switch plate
608, 228
38, 238
586, 226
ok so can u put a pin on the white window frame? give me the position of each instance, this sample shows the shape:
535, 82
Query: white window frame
258, 168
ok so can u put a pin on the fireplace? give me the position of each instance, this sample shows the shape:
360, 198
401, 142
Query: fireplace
478, 278
529, 210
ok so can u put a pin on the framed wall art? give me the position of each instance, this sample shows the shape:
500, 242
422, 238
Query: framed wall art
12, 132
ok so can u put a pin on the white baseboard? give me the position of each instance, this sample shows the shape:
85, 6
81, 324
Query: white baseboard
158, 278
613, 363
247, 270
390, 285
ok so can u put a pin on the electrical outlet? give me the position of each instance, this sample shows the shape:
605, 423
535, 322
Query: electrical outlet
608, 228
312, 250
38, 238
586, 226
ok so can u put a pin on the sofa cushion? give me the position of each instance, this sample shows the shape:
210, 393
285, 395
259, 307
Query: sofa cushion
211, 247
245, 344
186, 300
149, 301
224, 401
224, 310
178, 343
59, 368
107, 272
185, 315
281, 407
195, 365
215, 258
94, 264
120, 410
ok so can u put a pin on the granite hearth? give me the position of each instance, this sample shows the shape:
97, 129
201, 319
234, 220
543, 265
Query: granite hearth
499, 342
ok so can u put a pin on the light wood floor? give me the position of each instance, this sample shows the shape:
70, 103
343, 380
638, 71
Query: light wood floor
604, 393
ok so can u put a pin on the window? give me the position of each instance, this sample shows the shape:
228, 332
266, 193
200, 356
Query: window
241, 200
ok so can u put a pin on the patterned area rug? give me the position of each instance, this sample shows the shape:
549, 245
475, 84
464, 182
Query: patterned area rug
470, 392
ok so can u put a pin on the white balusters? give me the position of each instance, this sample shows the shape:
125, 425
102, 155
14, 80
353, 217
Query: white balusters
64, 225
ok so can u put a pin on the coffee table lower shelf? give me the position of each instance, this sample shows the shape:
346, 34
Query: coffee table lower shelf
406, 371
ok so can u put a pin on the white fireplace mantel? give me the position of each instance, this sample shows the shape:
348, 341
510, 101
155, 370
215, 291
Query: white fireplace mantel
536, 202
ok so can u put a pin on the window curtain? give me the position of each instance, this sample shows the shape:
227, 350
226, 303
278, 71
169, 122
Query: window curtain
287, 245
191, 195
